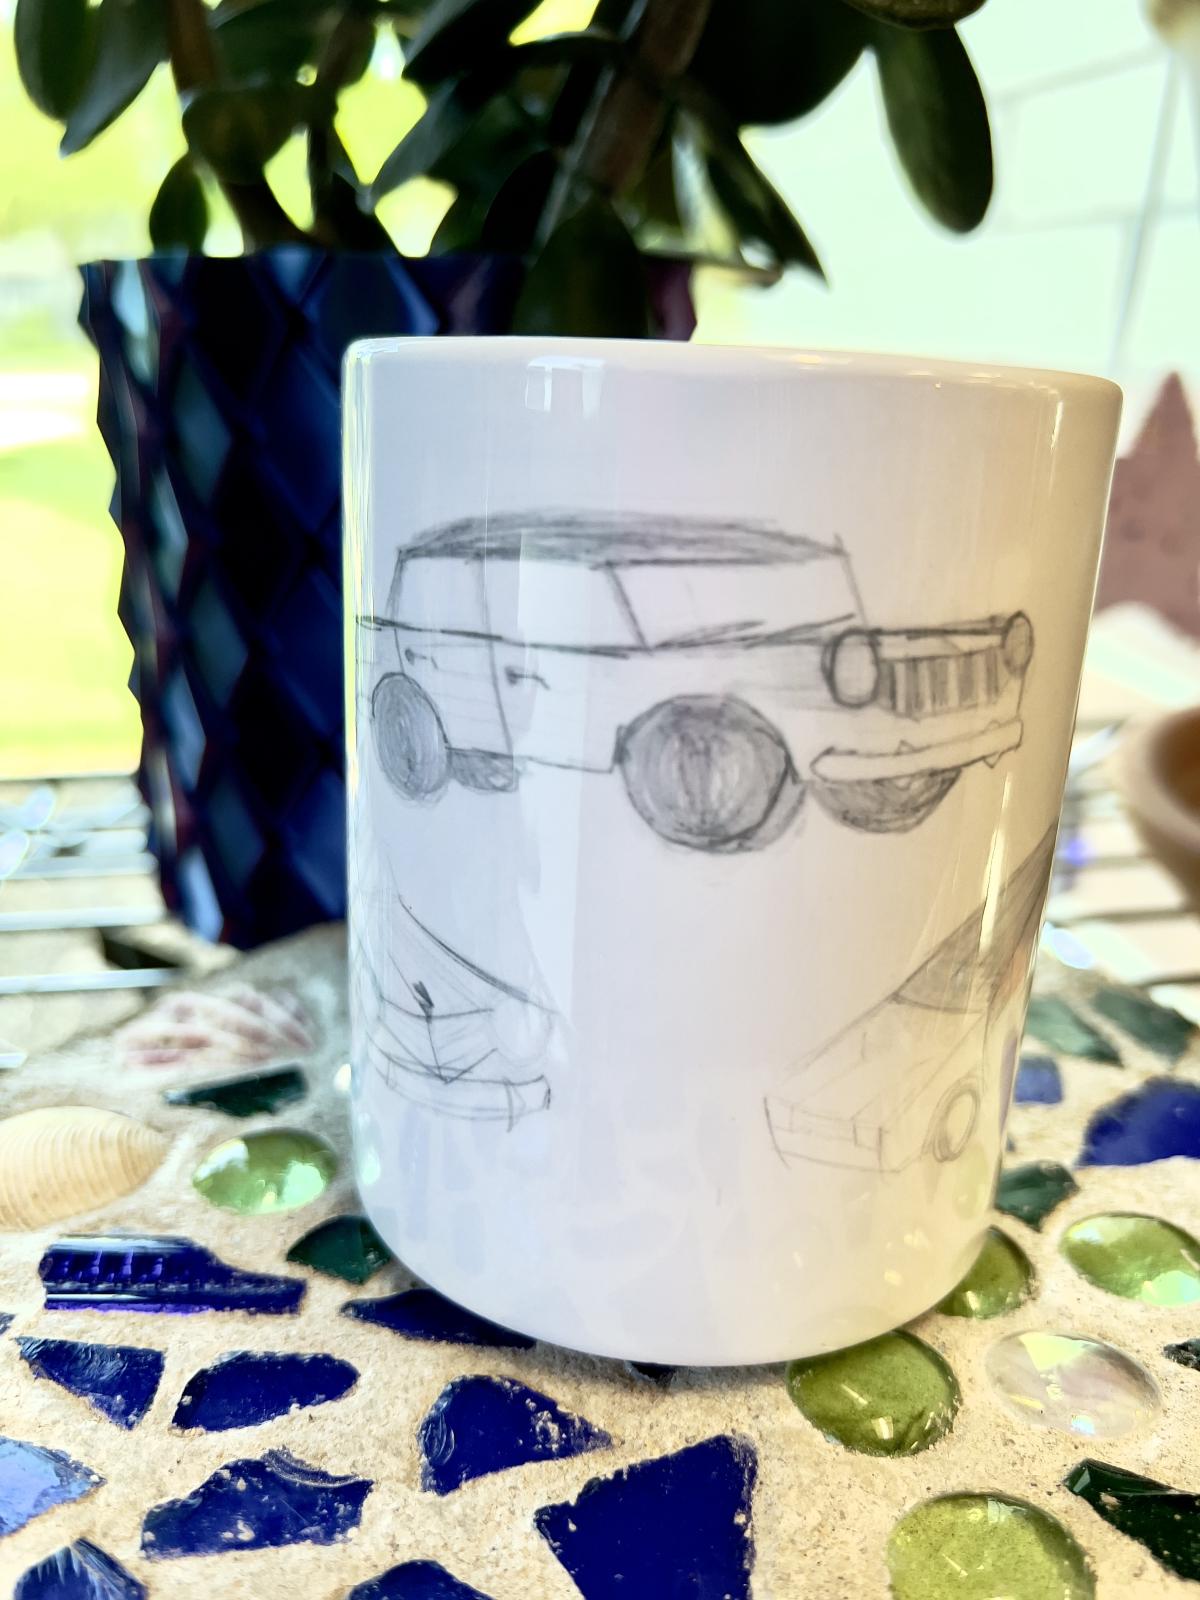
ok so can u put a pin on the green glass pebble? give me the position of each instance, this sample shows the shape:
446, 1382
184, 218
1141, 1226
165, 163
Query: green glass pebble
344, 1247
1000, 1280
981, 1546
1165, 1520
1168, 1033
278, 1169
244, 1096
1139, 1258
1060, 1026
1030, 1193
890, 1397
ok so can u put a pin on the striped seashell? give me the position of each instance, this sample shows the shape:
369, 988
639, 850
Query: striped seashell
60, 1160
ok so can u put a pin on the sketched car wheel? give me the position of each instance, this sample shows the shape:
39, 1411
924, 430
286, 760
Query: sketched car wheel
953, 1123
710, 773
409, 738
886, 805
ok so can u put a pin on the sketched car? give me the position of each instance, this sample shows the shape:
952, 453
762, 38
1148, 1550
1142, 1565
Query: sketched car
851, 1105
722, 667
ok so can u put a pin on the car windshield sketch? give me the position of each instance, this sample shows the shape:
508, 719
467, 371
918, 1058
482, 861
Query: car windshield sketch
443, 1033
722, 668
844, 1107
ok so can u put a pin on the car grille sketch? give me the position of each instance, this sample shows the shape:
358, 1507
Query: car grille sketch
444, 1033
722, 668
904, 1081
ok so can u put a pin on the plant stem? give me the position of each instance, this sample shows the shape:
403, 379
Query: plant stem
194, 65
619, 130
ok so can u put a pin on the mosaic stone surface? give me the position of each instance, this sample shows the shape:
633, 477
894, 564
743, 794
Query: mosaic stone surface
890, 1397
415, 1580
254, 1504
1076, 1385
1031, 1192
1000, 1280
246, 1096
248, 1387
344, 1247
1165, 1520
479, 1425
1138, 1258
34, 1479
78, 1571
1158, 1120
982, 1547
119, 1380
270, 1170
681, 1524
130, 1272
425, 1314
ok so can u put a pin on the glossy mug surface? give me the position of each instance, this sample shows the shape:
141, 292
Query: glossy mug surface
709, 719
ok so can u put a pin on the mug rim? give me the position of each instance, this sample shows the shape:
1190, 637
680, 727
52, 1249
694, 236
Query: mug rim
667, 355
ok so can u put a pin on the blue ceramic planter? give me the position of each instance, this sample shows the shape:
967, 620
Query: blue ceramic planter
219, 405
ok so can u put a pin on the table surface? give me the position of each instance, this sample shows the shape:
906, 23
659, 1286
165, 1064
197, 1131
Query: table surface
369, 1434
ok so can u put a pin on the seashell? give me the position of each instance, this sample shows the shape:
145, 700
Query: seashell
61, 1160
240, 1025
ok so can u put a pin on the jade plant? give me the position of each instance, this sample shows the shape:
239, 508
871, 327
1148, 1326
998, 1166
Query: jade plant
579, 153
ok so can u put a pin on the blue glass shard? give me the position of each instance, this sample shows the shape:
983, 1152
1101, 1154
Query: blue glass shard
1160, 1119
33, 1480
6, 1318
1039, 1082
425, 1314
256, 1504
479, 1425
120, 1380
119, 1272
677, 1525
79, 1571
250, 1386
417, 1580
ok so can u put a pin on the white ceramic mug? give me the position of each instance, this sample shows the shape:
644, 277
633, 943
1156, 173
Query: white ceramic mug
709, 719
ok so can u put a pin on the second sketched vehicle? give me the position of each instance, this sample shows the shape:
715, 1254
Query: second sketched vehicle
722, 668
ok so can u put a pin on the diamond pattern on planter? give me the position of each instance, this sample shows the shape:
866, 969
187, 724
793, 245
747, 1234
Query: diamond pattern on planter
33, 1480
1165, 1520
255, 1505
119, 1380
479, 1425
248, 1387
1159, 1120
677, 1525
126, 1272
354, 301
303, 403
308, 644
235, 838
79, 1571
218, 649
424, 1314
226, 303
201, 435
416, 1580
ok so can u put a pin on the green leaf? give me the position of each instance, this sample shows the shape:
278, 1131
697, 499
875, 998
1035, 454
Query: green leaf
939, 122
767, 61
445, 120
54, 42
179, 215
237, 131
510, 224
917, 13
340, 216
130, 41
456, 34
654, 198
270, 39
460, 228
588, 280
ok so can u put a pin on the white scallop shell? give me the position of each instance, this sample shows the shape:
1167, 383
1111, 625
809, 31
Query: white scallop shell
60, 1160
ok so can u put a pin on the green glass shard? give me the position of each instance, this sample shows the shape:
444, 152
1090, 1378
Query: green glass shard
344, 1247
1030, 1193
1000, 1280
980, 1546
1060, 1026
1165, 1520
1168, 1033
246, 1096
277, 1169
890, 1397
1136, 1257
